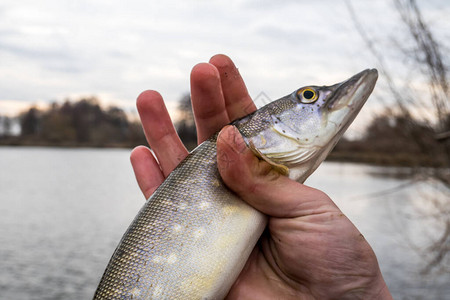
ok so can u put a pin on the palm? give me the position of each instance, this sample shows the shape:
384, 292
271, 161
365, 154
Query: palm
278, 270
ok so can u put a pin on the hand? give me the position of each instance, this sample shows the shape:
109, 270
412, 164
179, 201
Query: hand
310, 250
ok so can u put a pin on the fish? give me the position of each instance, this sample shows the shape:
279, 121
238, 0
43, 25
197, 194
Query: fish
193, 236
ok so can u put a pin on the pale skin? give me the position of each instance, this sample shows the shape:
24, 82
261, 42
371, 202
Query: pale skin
310, 249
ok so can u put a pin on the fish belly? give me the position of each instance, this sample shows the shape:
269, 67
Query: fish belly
190, 240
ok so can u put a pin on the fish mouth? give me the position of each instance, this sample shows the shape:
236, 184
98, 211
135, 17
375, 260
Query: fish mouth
353, 92
346, 100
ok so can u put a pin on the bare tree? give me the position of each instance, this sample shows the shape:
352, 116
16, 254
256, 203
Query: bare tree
423, 55
5, 126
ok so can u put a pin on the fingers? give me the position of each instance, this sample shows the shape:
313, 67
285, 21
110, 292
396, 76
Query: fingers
146, 169
259, 185
237, 100
160, 132
219, 96
207, 101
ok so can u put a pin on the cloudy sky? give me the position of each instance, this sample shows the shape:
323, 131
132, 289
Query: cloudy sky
54, 49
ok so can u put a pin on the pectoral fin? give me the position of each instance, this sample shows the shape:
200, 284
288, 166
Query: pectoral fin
282, 169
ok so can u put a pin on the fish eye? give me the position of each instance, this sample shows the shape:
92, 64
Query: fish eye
307, 95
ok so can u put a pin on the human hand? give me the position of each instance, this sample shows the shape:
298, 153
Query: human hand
310, 249
218, 96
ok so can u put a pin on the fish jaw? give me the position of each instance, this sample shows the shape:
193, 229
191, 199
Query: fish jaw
348, 98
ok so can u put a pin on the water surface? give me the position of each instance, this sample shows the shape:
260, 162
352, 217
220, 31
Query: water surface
63, 212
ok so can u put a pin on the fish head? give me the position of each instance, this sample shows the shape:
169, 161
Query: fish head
296, 132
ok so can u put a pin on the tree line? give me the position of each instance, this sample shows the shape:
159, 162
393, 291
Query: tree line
74, 123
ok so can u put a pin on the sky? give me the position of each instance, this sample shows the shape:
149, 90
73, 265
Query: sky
51, 50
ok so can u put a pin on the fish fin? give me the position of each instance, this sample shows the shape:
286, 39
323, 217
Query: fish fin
282, 169
301, 154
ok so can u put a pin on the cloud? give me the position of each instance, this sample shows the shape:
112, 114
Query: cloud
51, 49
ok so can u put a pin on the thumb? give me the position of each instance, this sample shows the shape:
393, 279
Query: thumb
257, 183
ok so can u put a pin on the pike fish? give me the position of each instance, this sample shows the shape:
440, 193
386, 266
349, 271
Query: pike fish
193, 236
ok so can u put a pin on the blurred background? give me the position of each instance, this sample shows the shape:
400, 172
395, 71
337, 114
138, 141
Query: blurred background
70, 72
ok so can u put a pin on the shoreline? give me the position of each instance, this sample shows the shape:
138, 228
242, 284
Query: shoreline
371, 158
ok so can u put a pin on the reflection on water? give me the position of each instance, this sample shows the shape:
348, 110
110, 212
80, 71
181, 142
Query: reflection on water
63, 211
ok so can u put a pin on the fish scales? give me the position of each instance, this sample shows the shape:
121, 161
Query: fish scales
170, 240
193, 236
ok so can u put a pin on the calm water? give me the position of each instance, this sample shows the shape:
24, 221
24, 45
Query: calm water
63, 211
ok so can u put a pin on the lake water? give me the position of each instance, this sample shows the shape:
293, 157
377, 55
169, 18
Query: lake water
63, 211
